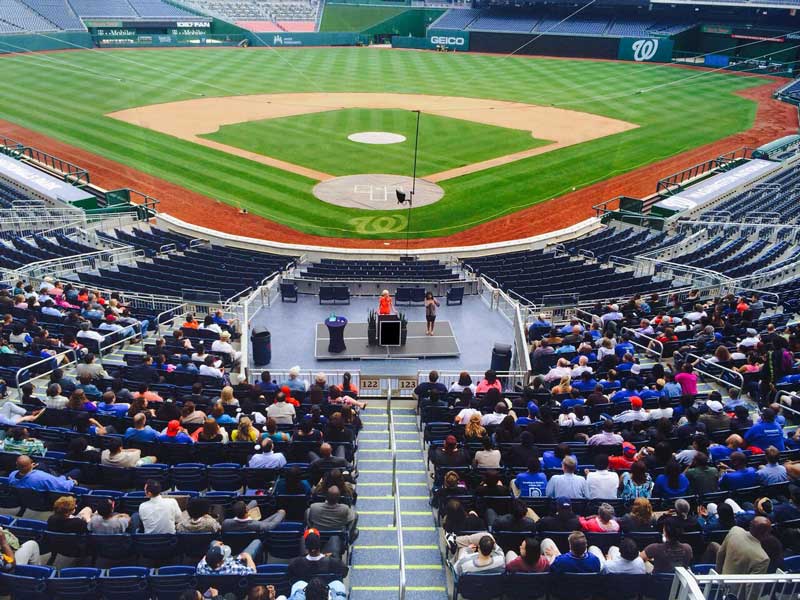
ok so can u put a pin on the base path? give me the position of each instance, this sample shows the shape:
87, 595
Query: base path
773, 120
189, 119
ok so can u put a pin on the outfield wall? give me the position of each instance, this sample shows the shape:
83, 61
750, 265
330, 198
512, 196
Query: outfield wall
57, 40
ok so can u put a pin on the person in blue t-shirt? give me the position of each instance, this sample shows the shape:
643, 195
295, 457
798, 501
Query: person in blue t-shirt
266, 385
551, 459
739, 475
109, 405
175, 434
672, 483
766, 432
532, 483
625, 394
141, 432
577, 560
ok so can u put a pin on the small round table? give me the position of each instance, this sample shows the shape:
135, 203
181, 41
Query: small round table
336, 334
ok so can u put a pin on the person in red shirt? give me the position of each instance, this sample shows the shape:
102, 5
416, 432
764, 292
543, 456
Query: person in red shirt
624, 461
603, 522
288, 393
385, 306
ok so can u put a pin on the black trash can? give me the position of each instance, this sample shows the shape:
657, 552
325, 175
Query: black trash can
501, 358
262, 347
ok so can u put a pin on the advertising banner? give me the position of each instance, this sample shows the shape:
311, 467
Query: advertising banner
646, 49
450, 39
286, 39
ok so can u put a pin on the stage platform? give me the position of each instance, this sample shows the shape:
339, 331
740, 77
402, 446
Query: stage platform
442, 344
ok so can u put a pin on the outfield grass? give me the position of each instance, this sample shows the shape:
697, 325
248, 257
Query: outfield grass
297, 140
65, 95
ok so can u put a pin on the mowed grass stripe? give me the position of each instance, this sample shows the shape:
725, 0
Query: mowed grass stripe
70, 103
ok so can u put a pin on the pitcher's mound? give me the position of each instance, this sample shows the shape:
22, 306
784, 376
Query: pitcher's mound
376, 137
376, 192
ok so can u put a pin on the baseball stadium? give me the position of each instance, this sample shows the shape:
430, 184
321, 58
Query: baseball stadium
403, 299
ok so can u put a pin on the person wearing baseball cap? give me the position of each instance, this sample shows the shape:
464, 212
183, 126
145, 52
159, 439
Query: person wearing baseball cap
314, 563
636, 412
219, 561
715, 418
623, 462
175, 434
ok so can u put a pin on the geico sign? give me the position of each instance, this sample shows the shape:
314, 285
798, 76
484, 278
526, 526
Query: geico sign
448, 41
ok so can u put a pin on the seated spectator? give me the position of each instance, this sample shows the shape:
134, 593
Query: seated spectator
568, 484
89, 366
703, 477
210, 432
456, 519
772, 473
715, 419
515, 520
464, 382
639, 518
624, 461
670, 553
242, 521
141, 431
54, 399
672, 483
552, 459
636, 412
601, 483
274, 434
577, 560
220, 416
281, 411
314, 563
607, 437
65, 519
682, 515
293, 482
603, 522
145, 392
664, 410
19, 441
741, 419
625, 559
218, 560
190, 415
157, 514
268, 458
116, 456
477, 553
450, 455
332, 514
244, 432
106, 521
488, 457
211, 367
767, 432
742, 553
474, 431
12, 413
532, 483
327, 459
636, 483
738, 475
27, 476
335, 477
175, 434
529, 560
489, 381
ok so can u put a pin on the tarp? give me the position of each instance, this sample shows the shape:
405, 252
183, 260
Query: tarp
41, 183
717, 186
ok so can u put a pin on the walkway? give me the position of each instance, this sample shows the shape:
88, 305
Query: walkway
376, 557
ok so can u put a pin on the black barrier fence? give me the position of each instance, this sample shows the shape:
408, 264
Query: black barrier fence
549, 45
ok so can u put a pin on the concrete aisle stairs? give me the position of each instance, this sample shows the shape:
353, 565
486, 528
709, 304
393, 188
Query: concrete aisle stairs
375, 572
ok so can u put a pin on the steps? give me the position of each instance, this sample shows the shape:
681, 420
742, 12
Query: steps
376, 555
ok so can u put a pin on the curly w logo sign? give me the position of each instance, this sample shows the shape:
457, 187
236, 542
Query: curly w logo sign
646, 50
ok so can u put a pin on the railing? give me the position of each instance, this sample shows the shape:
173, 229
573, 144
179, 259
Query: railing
717, 372
332, 377
106, 345
514, 313
714, 586
28, 370
654, 348
246, 309
397, 518
170, 314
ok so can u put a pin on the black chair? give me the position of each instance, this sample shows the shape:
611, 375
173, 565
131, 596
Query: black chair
575, 586
526, 586
455, 295
288, 292
478, 586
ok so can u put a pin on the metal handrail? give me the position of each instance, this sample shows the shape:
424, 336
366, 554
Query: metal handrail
56, 357
705, 361
398, 521
162, 314
649, 348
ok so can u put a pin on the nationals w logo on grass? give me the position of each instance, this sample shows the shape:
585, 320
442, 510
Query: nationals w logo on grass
644, 50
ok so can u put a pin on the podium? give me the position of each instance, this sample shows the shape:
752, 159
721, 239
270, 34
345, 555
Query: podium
389, 330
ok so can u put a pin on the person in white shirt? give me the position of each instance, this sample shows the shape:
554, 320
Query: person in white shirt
496, 417
87, 332
576, 418
601, 483
465, 414
613, 314
645, 328
209, 325
561, 369
281, 411
606, 348
268, 459
223, 345
582, 367
49, 309
208, 368
636, 413
664, 410
158, 514
623, 560
751, 340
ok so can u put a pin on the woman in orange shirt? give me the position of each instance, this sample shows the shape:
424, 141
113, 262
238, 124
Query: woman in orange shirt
190, 323
385, 305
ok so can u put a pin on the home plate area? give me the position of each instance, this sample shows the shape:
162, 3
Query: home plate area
376, 192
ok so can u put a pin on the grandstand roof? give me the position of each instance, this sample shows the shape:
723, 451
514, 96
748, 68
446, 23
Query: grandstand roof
40, 183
